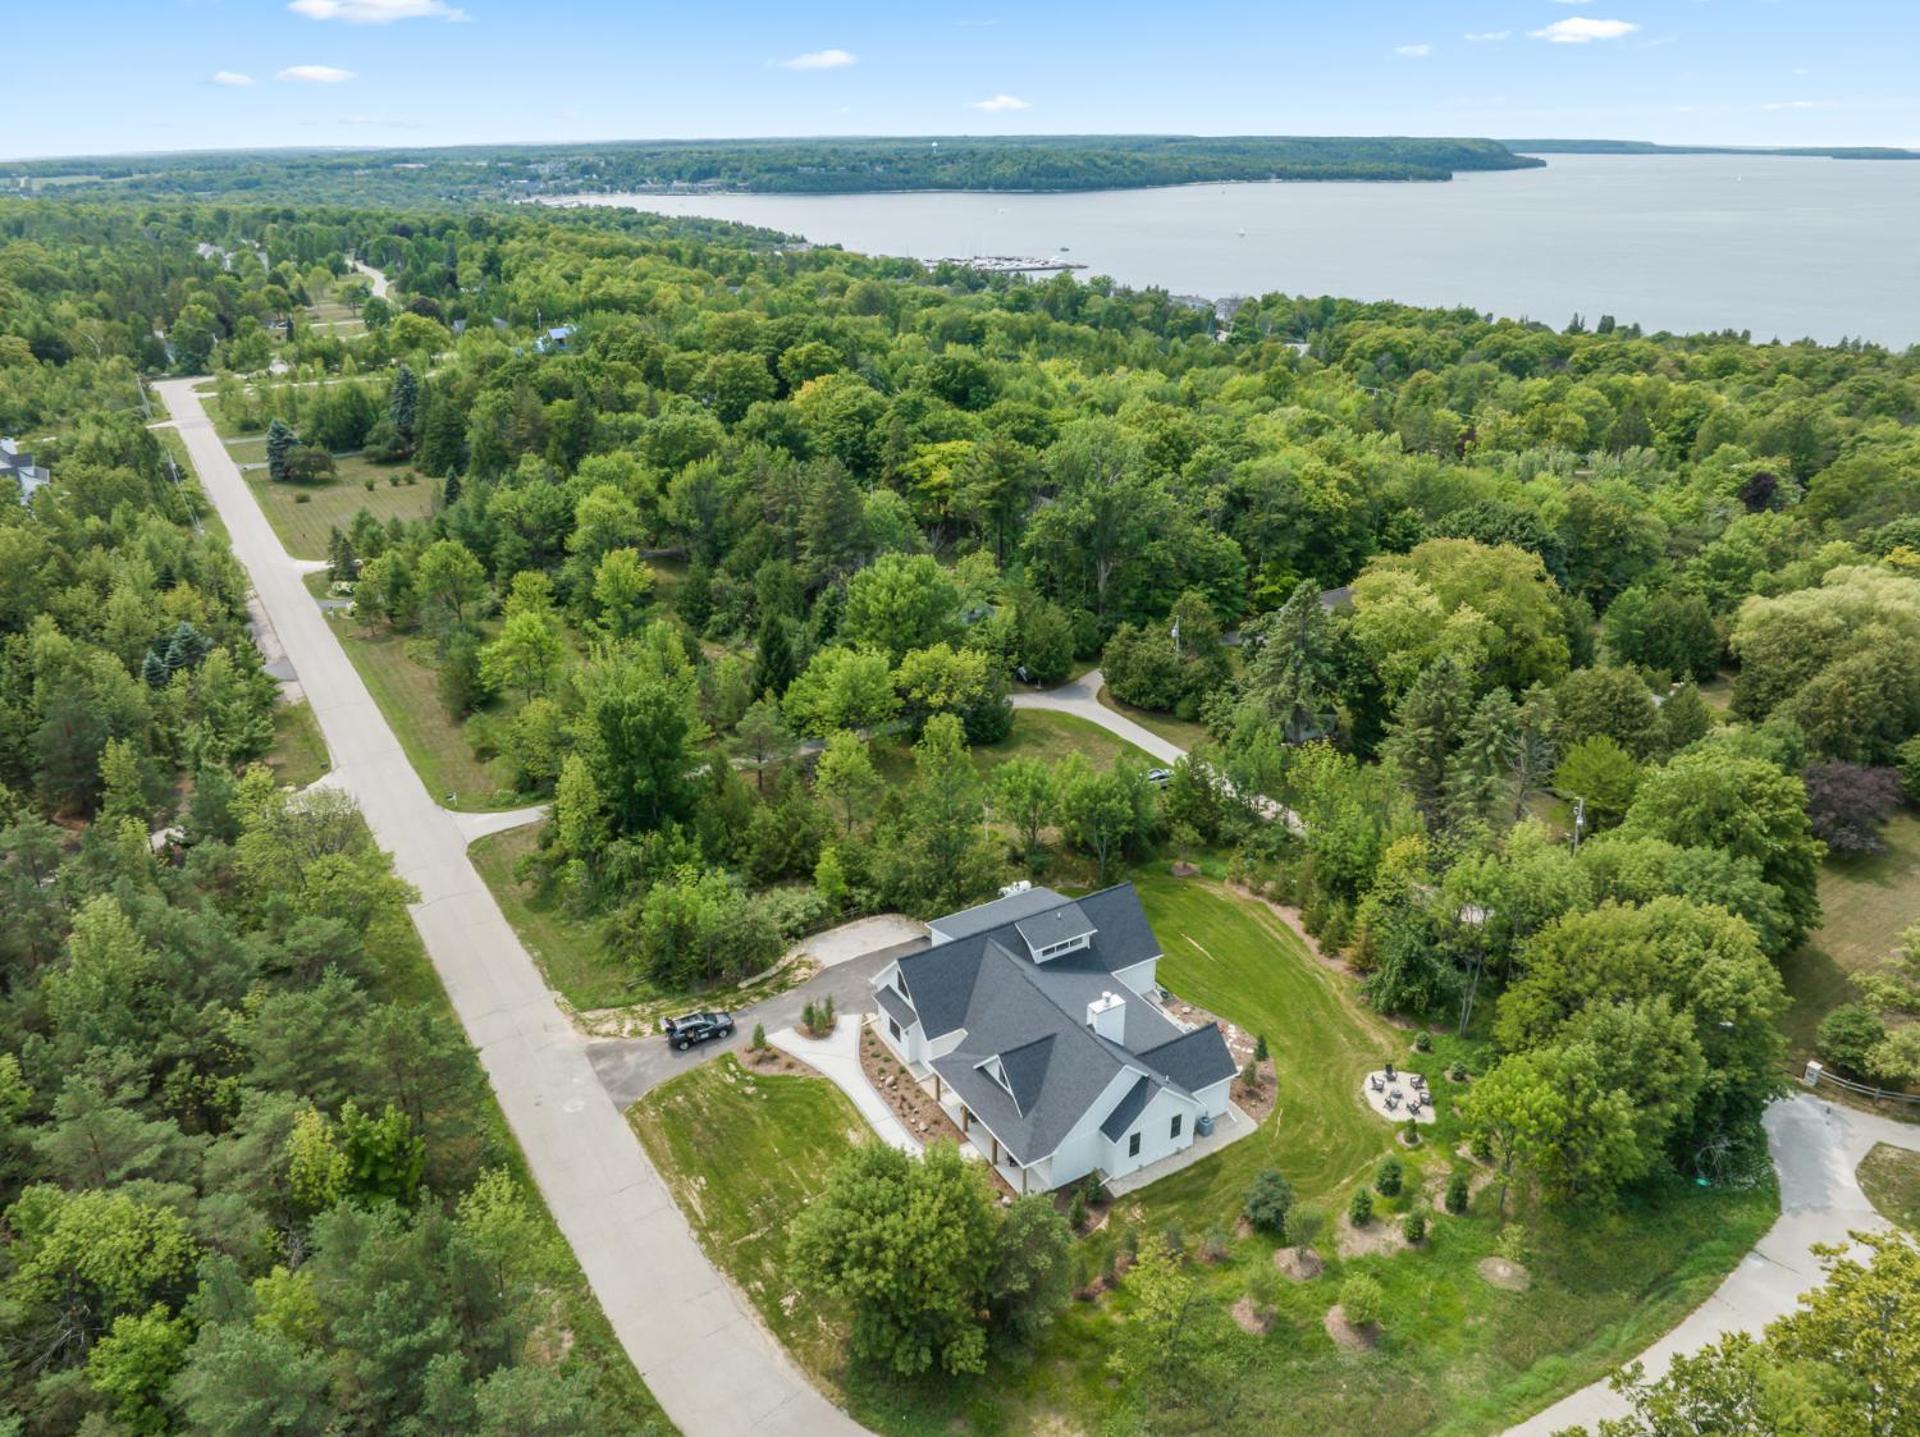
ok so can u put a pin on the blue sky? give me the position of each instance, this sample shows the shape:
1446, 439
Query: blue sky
130, 75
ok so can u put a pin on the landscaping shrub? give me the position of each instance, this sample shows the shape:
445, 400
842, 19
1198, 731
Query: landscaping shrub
1263, 1290
1413, 1133
1176, 1240
1458, 1192
1457, 1071
1213, 1247
759, 1040
1360, 1209
1092, 1189
1414, 1227
1512, 1243
1260, 1048
1077, 1213
1848, 1034
1362, 1300
1250, 1076
1423, 1041
1390, 1176
1268, 1202
1304, 1224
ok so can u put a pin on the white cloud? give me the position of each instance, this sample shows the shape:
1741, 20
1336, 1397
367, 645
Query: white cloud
232, 78
1000, 104
315, 74
1579, 30
1413, 52
820, 60
376, 12
1483, 37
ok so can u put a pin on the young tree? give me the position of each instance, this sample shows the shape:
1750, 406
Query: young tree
281, 442
449, 579
1105, 814
909, 1245
526, 656
842, 688
1028, 1285
1026, 795
403, 402
622, 591
846, 775
1599, 772
762, 739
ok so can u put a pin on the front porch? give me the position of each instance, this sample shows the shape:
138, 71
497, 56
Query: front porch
977, 1140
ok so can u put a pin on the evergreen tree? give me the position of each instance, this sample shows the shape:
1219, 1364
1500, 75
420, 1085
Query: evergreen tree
281, 442
403, 404
443, 440
773, 667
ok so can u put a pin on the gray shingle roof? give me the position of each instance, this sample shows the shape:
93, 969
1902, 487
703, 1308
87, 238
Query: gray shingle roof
1056, 925
1193, 1060
894, 1006
999, 913
1032, 1016
1127, 1109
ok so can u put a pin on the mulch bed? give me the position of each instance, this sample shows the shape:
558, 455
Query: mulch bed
911, 1103
1345, 1335
1507, 1276
1300, 1264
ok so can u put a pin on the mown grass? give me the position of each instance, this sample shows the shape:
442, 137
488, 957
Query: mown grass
571, 950
304, 515
1037, 733
299, 753
1890, 1177
399, 671
1181, 733
1867, 902
1457, 1357
742, 1153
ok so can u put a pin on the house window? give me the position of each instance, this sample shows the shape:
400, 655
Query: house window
1174, 1131
893, 1028
1133, 1145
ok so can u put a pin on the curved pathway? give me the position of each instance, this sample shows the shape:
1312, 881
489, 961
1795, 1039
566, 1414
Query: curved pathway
701, 1350
1816, 1146
1081, 698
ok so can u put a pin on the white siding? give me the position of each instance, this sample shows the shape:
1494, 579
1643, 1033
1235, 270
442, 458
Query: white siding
1141, 977
1155, 1127
1216, 1098
1085, 1148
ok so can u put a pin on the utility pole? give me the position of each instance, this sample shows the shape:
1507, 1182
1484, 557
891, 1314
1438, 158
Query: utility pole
1579, 822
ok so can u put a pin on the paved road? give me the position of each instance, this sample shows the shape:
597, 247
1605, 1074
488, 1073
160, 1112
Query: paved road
702, 1352
630, 1068
1081, 697
1816, 1148
379, 280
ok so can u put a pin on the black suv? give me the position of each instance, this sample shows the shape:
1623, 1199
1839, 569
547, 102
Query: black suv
683, 1033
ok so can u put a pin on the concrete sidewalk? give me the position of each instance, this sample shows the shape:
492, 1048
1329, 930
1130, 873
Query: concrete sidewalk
837, 1058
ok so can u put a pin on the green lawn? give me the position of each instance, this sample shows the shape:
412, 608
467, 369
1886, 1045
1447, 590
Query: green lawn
1890, 1177
1868, 901
1180, 732
304, 515
1037, 733
789, 1131
399, 672
569, 949
299, 753
1458, 1358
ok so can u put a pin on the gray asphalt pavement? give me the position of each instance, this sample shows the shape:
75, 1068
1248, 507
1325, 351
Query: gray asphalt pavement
704, 1354
630, 1068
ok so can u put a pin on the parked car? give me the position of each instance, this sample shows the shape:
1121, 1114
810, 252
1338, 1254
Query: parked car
1160, 776
683, 1033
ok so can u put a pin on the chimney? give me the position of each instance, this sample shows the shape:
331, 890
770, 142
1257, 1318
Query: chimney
1107, 1016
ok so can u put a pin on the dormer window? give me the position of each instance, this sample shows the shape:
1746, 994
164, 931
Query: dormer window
1065, 929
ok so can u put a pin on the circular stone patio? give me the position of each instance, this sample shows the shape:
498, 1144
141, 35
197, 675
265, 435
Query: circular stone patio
1397, 1087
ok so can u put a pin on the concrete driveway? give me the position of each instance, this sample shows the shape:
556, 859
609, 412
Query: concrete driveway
1081, 698
697, 1344
1816, 1146
630, 1068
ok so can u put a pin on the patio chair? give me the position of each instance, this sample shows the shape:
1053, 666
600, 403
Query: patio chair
1416, 1080
1393, 1101
1377, 1083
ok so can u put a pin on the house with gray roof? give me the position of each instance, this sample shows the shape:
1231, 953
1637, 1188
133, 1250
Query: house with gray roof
18, 465
1036, 1022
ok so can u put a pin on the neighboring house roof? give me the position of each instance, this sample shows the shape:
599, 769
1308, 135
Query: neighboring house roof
1027, 1062
1340, 598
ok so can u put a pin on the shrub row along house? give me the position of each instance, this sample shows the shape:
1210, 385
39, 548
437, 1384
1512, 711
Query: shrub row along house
1036, 1020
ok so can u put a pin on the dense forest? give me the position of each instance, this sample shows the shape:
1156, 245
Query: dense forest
835, 166
735, 553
